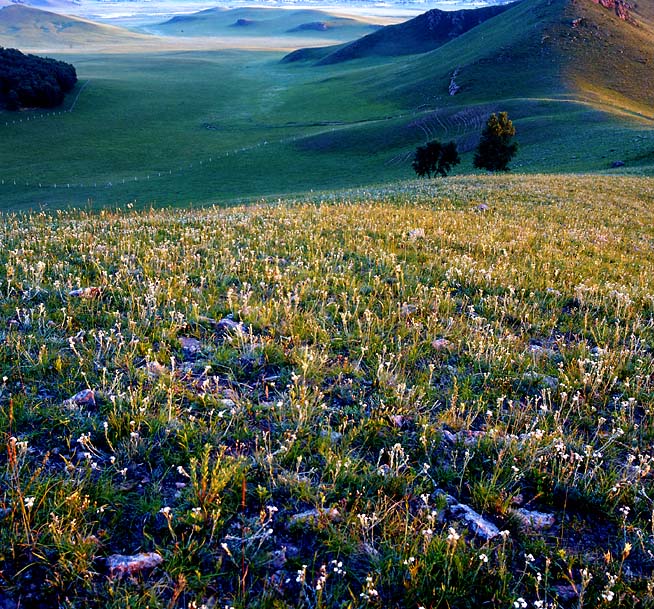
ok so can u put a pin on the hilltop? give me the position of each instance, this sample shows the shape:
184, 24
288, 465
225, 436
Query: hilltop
265, 22
32, 28
418, 35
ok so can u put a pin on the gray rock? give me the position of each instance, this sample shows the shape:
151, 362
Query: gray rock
531, 519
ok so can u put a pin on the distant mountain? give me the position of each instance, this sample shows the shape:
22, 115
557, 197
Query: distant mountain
418, 35
262, 22
24, 27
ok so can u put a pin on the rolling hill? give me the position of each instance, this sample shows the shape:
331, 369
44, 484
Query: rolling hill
265, 22
418, 35
31, 28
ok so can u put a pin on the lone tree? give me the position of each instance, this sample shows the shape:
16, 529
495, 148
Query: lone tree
496, 147
435, 158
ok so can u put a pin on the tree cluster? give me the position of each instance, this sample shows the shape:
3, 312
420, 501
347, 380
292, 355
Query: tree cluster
495, 151
33, 82
435, 158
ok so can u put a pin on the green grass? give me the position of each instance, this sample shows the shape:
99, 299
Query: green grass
169, 113
377, 324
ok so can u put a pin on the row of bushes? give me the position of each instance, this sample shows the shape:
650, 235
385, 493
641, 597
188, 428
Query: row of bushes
33, 82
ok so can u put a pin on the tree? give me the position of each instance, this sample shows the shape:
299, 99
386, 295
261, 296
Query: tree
496, 148
435, 158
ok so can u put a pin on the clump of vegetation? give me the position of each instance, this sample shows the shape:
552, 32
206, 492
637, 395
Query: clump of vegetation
435, 158
393, 399
33, 82
496, 147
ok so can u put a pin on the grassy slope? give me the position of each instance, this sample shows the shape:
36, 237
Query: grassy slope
263, 22
611, 62
22, 26
418, 35
336, 397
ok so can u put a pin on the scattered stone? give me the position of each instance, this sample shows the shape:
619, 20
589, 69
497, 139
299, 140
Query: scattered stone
543, 380
190, 346
531, 519
577, 22
86, 397
416, 233
408, 309
565, 592
616, 164
479, 526
398, 420
468, 437
120, 566
314, 516
538, 351
454, 88
86, 293
228, 403
334, 436
482, 207
227, 324
155, 369
441, 344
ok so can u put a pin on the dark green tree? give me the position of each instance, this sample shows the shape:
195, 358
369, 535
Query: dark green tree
435, 158
496, 147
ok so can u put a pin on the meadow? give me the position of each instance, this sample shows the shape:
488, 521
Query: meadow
201, 127
429, 394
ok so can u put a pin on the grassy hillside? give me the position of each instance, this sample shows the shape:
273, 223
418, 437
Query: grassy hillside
610, 61
265, 22
31, 28
418, 35
440, 395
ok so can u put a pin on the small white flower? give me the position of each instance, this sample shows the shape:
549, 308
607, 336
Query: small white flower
29, 502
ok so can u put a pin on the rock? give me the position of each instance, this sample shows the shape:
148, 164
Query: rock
565, 592
468, 437
621, 8
86, 397
615, 164
398, 420
416, 233
453, 89
334, 436
478, 524
190, 346
408, 309
542, 380
482, 207
441, 344
531, 519
155, 369
120, 566
86, 293
577, 22
315, 515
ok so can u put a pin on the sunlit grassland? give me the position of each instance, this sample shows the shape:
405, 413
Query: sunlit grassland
377, 325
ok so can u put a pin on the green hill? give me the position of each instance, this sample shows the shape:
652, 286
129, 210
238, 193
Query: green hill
418, 35
31, 28
265, 22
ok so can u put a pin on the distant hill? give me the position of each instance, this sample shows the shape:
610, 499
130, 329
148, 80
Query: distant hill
418, 35
31, 28
261, 22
